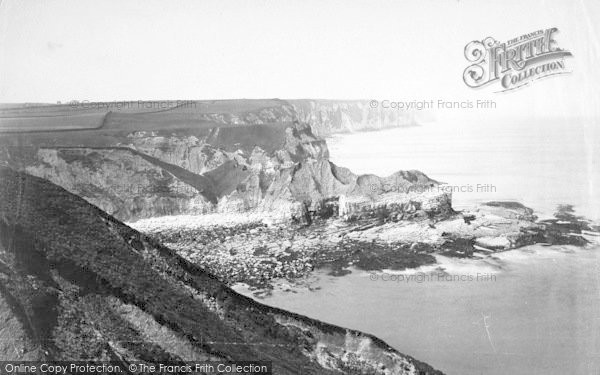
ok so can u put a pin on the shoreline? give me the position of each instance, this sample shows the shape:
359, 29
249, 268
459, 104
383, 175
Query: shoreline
484, 268
261, 250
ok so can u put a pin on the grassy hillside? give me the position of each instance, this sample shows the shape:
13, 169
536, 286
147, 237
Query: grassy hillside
123, 115
79, 284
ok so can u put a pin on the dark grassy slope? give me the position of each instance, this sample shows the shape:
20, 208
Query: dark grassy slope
69, 271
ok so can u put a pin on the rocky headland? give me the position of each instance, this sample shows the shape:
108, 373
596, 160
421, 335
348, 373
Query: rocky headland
246, 188
217, 156
242, 192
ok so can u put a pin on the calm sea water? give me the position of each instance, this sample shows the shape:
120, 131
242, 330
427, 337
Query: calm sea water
540, 312
540, 164
534, 311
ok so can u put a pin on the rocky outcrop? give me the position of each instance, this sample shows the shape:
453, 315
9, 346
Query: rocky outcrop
263, 253
396, 206
77, 284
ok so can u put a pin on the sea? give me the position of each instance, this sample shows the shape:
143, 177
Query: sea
534, 310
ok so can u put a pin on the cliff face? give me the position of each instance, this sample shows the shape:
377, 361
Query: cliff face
256, 157
77, 284
146, 174
333, 116
325, 117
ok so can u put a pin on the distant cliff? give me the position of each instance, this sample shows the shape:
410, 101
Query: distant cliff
328, 117
325, 117
77, 284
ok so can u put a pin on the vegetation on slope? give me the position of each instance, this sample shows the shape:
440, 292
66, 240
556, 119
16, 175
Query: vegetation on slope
85, 286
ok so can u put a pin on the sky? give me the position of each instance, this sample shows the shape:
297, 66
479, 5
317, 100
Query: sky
383, 50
